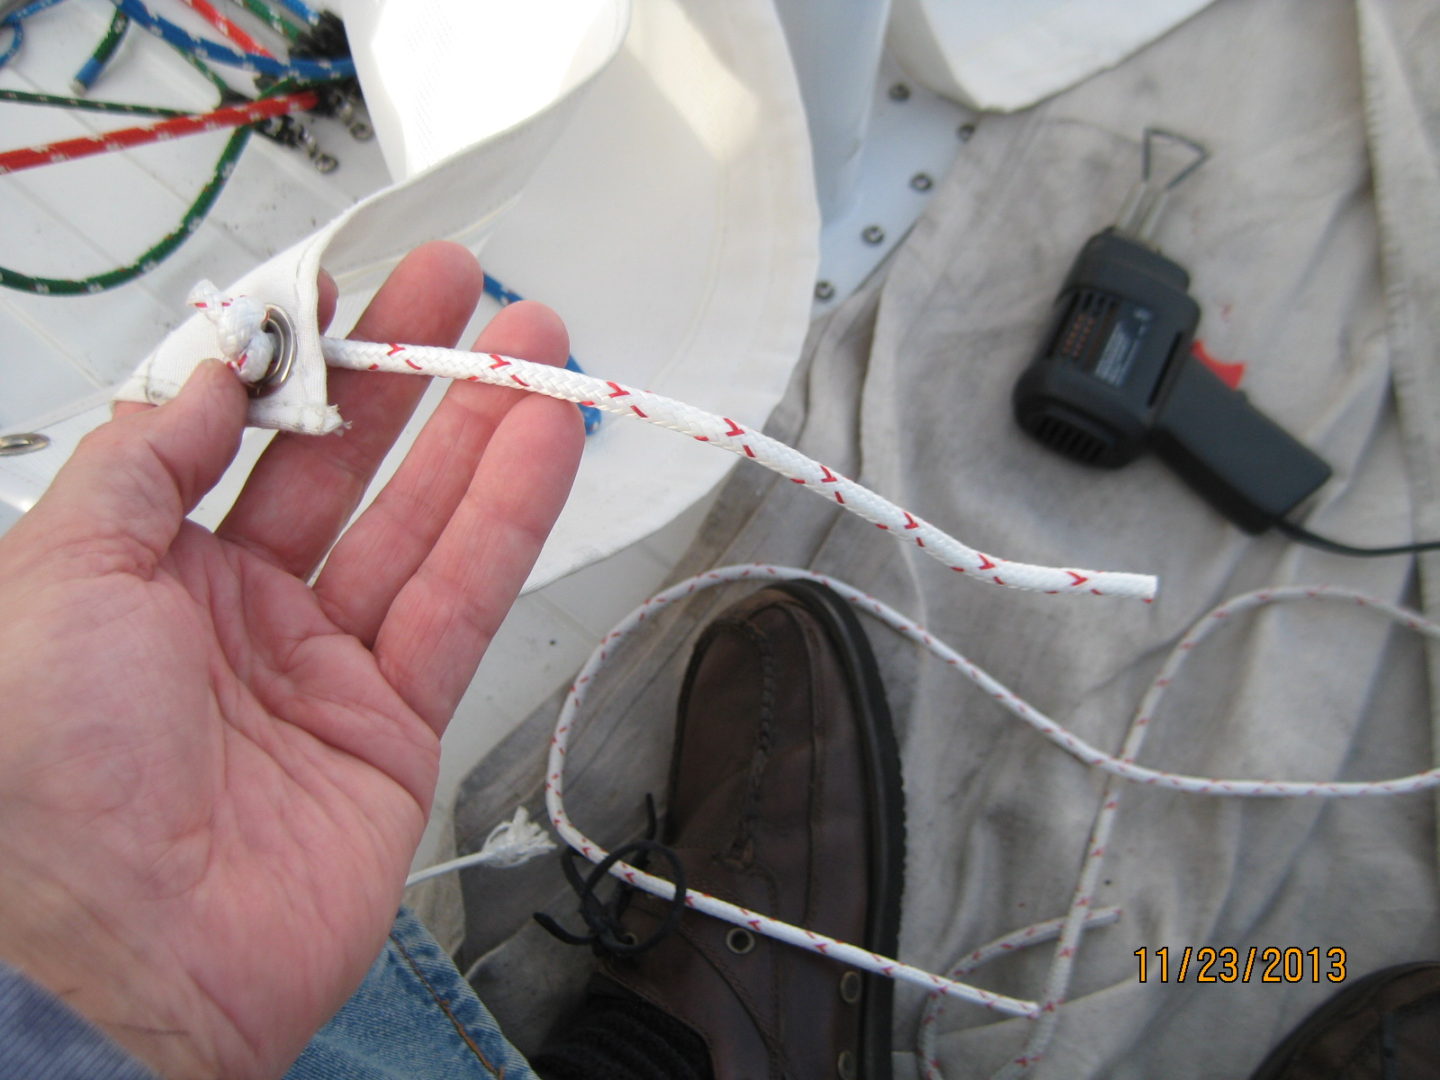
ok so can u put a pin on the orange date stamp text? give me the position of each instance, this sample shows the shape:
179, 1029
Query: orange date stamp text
1254, 963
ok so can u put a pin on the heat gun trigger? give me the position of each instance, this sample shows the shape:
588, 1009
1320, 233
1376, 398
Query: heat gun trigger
1146, 201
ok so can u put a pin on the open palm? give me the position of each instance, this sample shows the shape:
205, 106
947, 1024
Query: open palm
213, 774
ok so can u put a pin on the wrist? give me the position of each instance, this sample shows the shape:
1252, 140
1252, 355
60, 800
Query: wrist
67, 949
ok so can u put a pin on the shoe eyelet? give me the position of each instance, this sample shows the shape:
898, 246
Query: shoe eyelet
739, 941
851, 986
845, 1067
627, 939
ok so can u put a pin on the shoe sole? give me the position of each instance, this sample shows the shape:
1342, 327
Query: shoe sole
881, 754
1327, 1014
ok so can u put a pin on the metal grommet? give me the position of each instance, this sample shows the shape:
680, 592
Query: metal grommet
851, 984
921, 181
899, 92
845, 1067
739, 941
824, 290
278, 324
873, 234
26, 443
626, 938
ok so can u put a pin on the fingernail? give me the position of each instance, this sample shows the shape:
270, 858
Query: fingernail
202, 369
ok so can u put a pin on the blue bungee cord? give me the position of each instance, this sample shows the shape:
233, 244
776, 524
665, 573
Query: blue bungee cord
15, 22
499, 293
17, 37
302, 10
306, 70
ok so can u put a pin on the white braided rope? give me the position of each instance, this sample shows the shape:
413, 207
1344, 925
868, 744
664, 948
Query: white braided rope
510, 843
1036, 934
721, 909
723, 432
239, 324
1079, 915
1057, 982
242, 335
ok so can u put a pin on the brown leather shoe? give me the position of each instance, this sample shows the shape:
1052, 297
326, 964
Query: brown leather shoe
1384, 1027
785, 797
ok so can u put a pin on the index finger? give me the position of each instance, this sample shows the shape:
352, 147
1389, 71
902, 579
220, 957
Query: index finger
305, 487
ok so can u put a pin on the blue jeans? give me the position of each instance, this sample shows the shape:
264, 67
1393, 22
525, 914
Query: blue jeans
413, 1018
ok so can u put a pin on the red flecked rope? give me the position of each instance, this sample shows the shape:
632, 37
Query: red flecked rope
239, 323
227, 117
242, 41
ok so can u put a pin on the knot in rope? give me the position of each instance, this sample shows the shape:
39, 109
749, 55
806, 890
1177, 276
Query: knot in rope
514, 842
239, 325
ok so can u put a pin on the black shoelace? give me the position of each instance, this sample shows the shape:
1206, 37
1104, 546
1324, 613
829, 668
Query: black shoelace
608, 935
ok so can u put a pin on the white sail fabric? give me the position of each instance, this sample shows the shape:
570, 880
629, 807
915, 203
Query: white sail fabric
1003, 57
435, 85
661, 199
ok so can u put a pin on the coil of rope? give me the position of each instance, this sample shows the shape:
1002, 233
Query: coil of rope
240, 323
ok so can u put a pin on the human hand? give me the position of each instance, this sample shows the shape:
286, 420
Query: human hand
213, 775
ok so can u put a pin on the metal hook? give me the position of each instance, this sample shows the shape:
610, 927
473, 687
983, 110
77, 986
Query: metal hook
278, 324
1147, 198
1151, 134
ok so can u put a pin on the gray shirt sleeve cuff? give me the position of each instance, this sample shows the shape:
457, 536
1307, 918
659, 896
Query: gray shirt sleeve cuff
42, 1038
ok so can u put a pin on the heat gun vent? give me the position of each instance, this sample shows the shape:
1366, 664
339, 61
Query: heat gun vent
1084, 327
1065, 438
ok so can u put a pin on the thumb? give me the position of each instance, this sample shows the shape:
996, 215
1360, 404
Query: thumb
131, 481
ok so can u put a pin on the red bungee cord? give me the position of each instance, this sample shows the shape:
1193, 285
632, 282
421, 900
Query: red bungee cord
227, 117
242, 41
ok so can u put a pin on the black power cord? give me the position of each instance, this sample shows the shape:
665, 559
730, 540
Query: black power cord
1115, 377
1304, 536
